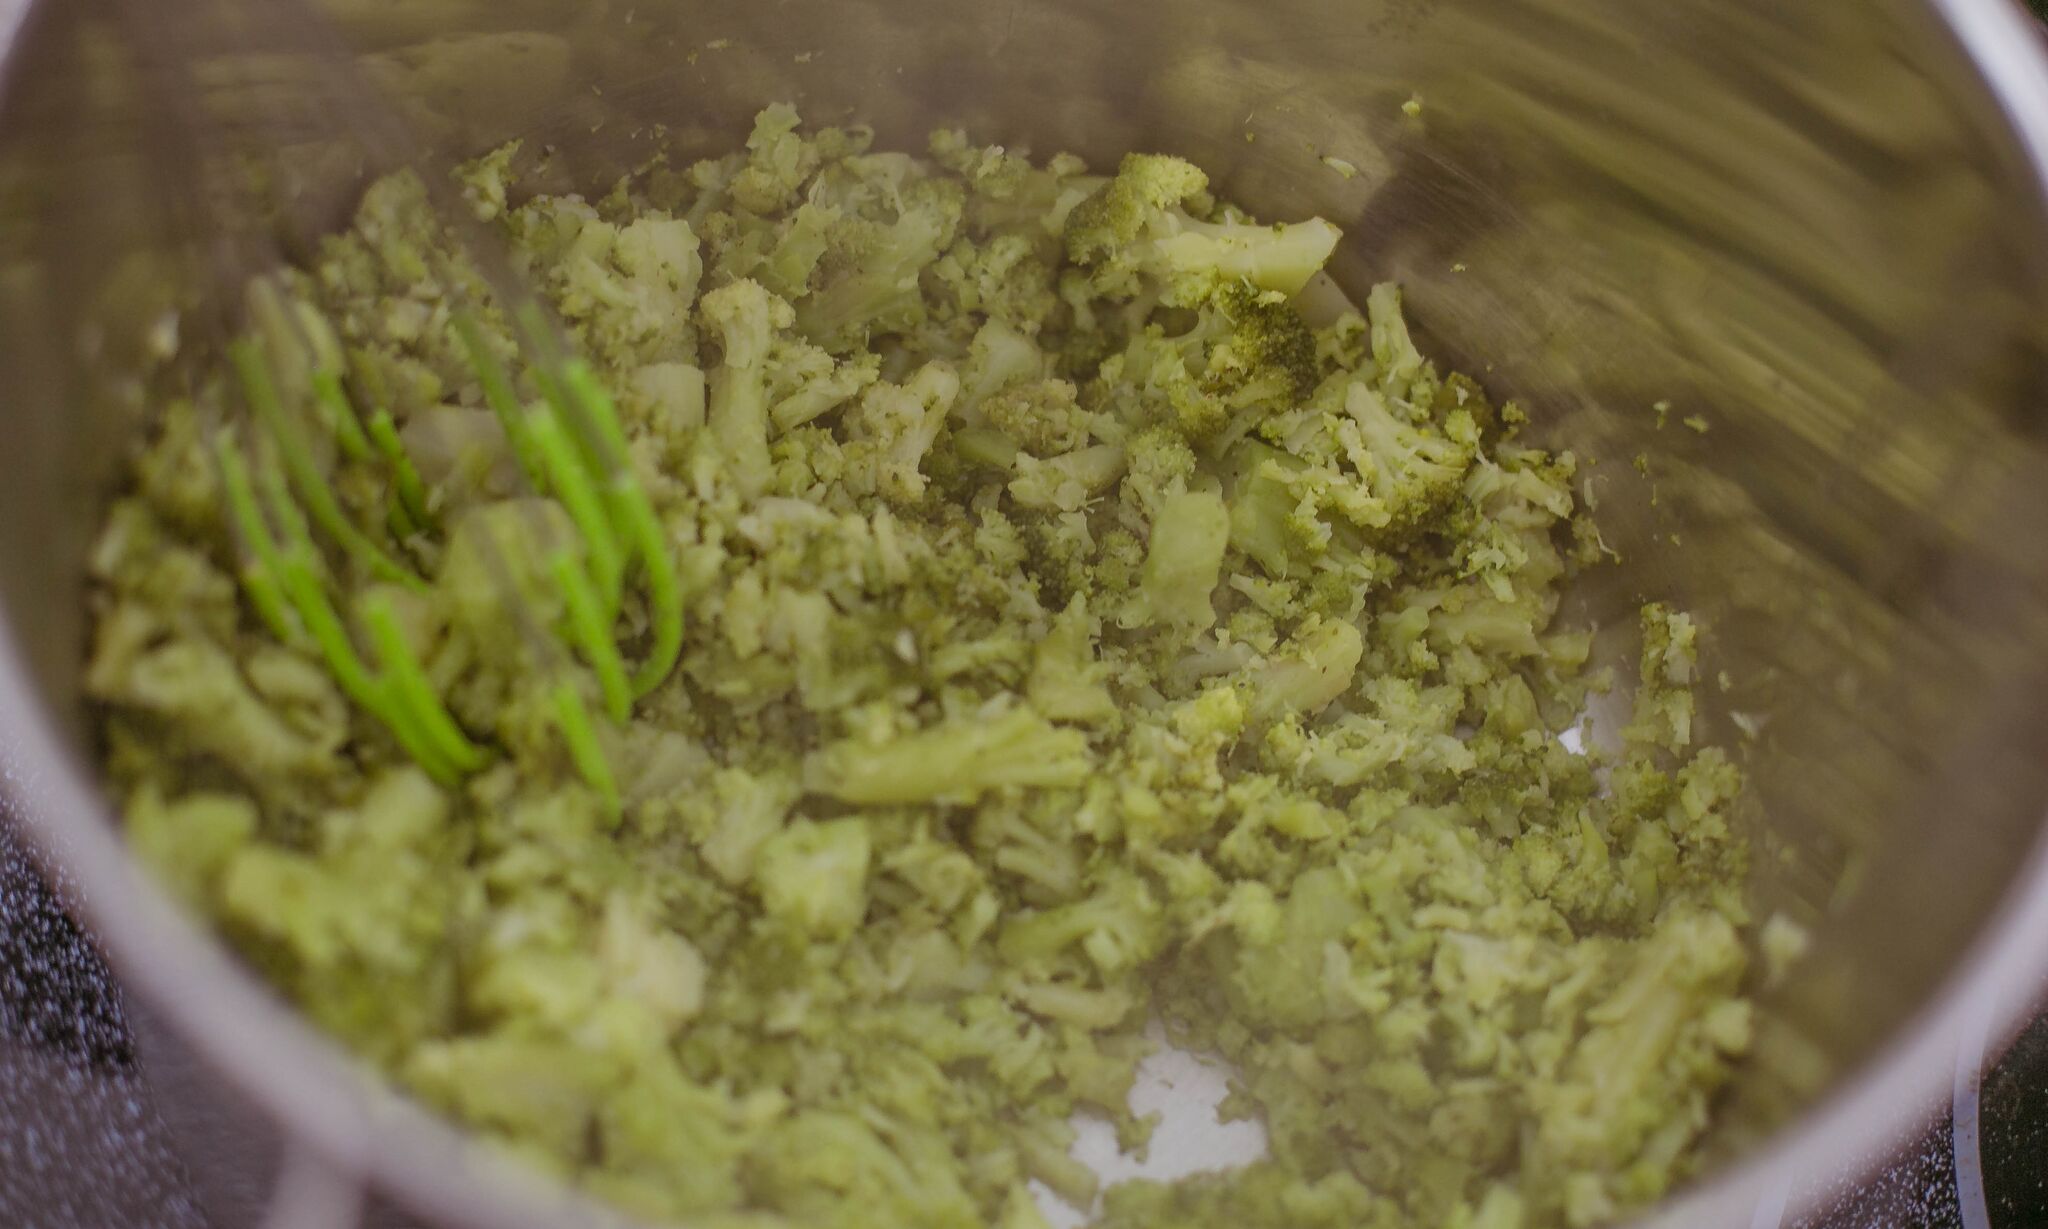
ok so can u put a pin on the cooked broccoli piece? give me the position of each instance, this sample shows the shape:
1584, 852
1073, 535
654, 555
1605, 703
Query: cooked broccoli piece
1268, 351
1183, 562
746, 318
814, 876
954, 762
806, 382
1134, 227
1094, 628
893, 427
1042, 418
867, 280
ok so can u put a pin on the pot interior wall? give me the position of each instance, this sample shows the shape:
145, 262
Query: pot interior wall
1807, 227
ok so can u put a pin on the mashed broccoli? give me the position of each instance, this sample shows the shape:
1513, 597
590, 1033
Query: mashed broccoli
1075, 641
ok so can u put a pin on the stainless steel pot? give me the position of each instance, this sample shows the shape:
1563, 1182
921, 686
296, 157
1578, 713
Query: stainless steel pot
1818, 227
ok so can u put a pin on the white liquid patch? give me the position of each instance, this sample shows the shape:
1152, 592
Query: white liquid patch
1573, 740
1185, 1089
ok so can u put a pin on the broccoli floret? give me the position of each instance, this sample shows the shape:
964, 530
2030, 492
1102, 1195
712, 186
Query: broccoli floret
1160, 465
1134, 228
1412, 471
778, 162
1043, 417
806, 382
1068, 482
1004, 278
190, 840
787, 268
1663, 717
868, 278
998, 357
1123, 209
893, 427
1117, 928
1269, 351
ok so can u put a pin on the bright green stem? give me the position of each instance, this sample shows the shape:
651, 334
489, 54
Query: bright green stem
540, 343
596, 405
570, 483
412, 493
499, 394
634, 514
260, 575
302, 584
299, 571
591, 629
664, 590
341, 415
414, 692
574, 719
305, 472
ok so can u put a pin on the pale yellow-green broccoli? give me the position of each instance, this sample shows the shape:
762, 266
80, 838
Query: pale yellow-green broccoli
958, 761
1135, 227
1076, 646
745, 317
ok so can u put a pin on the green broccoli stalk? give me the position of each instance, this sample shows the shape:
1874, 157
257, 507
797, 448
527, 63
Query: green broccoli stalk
1117, 928
1317, 665
1279, 258
1183, 563
957, 761
1066, 680
746, 317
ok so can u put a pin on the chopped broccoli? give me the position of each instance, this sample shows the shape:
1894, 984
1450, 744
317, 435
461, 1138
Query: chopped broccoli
1094, 628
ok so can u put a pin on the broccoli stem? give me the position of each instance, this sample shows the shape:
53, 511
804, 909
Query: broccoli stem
1184, 561
957, 761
